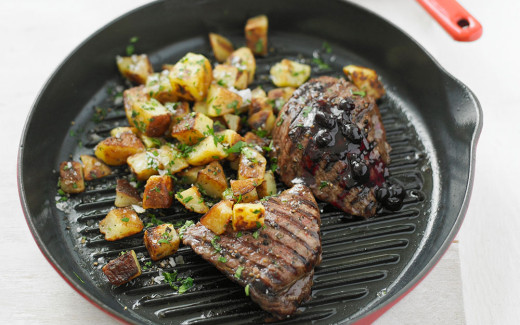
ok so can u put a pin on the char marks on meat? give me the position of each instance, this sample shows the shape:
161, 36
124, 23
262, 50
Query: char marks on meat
330, 137
276, 261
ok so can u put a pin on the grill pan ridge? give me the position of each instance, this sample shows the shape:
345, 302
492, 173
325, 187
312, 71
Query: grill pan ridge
365, 262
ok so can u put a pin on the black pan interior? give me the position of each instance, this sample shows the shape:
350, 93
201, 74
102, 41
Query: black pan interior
432, 122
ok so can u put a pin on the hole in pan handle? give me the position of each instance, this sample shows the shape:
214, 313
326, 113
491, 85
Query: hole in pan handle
459, 23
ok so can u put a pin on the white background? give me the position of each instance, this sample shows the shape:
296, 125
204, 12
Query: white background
37, 35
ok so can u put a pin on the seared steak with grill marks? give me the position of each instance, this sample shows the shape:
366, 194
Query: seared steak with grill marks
330, 137
276, 261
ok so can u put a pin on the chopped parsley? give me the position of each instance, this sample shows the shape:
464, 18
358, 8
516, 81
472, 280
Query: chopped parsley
237, 147
306, 111
125, 219
215, 244
222, 259
280, 121
130, 48
259, 46
186, 284
323, 184
359, 93
247, 290
182, 229
256, 234
319, 62
239, 234
326, 47
238, 272
170, 278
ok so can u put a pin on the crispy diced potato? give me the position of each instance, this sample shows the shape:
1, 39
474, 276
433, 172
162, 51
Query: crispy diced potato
225, 75
289, 73
218, 217
158, 192
221, 46
230, 138
279, 96
258, 92
222, 101
192, 128
256, 34
114, 151
244, 190
71, 177
192, 200
144, 164
365, 79
120, 223
268, 186
178, 110
242, 79
122, 269
263, 120
200, 107
158, 86
244, 60
191, 77
252, 164
161, 241
170, 159
259, 104
254, 139
189, 175
126, 194
248, 216
212, 180
146, 114
116, 132
232, 122
135, 68
93, 168
206, 151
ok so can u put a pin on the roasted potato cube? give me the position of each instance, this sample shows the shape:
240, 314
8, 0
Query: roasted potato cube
230, 138
161, 241
262, 120
244, 60
192, 128
200, 107
254, 139
122, 269
189, 175
222, 101
221, 46
146, 114
212, 180
365, 79
135, 68
248, 216
256, 34
259, 103
242, 79
116, 132
71, 177
144, 164
244, 190
206, 151
178, 110
218, 217
158, 86
279, 96
93, 168
252, 164
192, 200
232, 122
258, 92
289, 73
170, 159
225, 75
158, 192
268, 186
120, 223
114, 151
191, 77
126, 194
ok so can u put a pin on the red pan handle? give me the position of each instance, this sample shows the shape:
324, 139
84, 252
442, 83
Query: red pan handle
459, 23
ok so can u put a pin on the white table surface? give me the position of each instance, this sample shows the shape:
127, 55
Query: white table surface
476, 282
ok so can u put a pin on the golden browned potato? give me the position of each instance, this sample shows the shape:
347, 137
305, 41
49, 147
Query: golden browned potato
192, 200
161, 241
289, 73
93, 168
212, 180
158, 86
189, 175
225, 75
147, 114
178, 110
252, 164
192, 128
365, 79
206, 151
114, 151
268, 186
230, 138
242, 79
71, 177
135, 68
126, 194
244, 60
244, 190
158, 192
116, 132
191, 77
256, 34
248, 216
122, 269
221, 46
170, 159
254, 139
279, 96
120, 223
222, 101
144, 164
262, 120
218, 217
233, 122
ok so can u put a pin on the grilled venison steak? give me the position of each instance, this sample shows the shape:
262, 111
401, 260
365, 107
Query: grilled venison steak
278, 261
330, 137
